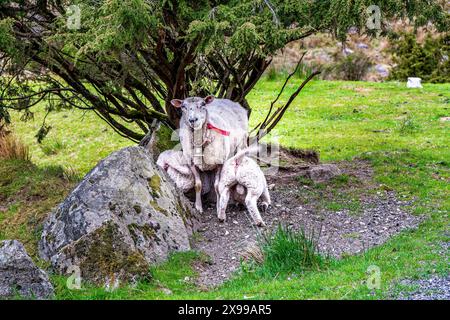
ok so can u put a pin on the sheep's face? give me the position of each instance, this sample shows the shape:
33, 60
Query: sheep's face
194, 110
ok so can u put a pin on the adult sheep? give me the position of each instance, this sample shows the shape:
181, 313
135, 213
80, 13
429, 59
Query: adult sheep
211, 131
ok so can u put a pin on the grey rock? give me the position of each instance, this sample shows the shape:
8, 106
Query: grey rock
19, 276
362, 45
123, 216
347, 51
323, 172
382, 70
353, 30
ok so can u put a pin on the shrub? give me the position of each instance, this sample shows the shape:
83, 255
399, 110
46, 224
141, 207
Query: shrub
429, 61
285, 251
351, 67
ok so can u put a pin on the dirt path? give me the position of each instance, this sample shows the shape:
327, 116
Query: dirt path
378, 215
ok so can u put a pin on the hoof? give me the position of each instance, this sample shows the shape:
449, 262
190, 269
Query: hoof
221, 220
260, 224
264, 206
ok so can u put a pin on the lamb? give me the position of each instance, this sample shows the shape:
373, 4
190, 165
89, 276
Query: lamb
211, 131
238, 172
172, 161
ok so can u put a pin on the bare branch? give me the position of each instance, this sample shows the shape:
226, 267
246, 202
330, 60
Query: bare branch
276, 117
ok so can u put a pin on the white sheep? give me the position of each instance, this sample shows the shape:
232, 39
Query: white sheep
241, 172
211, 131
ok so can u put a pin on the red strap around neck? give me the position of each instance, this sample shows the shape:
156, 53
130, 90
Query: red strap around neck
222, 132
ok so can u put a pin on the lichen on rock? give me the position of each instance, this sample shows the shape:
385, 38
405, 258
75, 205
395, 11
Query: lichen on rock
123, 216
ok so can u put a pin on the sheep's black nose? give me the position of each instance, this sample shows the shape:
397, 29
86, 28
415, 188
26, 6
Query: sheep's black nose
192, 120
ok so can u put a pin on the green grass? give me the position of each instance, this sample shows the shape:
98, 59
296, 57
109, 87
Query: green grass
394, 128
77, 140
287, 251
27, 194
171, 279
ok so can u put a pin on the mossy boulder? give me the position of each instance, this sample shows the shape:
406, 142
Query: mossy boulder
122, 217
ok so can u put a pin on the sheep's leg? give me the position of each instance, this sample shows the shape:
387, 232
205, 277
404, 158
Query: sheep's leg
216, 185
198, 189
265, 197
224, 196
250, 202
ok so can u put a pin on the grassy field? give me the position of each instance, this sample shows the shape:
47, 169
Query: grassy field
397, 129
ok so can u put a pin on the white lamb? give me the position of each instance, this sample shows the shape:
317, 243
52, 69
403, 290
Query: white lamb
180, 173
172, 162
238, 172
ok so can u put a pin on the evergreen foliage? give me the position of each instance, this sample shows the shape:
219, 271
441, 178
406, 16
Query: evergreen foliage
429, 61
129, 58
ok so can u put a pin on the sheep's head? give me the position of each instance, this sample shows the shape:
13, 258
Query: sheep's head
194, 110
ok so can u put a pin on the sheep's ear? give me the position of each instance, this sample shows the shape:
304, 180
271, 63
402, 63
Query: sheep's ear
209, 99
176, 102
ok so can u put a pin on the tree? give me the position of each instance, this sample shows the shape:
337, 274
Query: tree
129, 58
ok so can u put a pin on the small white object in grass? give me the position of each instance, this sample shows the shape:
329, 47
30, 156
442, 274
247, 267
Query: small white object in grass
166, 291
414, 82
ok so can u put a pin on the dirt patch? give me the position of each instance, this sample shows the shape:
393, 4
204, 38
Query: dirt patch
351, 214
433, 288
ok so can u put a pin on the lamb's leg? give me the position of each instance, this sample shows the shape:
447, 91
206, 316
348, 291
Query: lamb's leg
250, 202
265, 197
216, 185
198, 189
224, 196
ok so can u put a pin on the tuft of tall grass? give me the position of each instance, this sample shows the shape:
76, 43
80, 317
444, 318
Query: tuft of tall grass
67, 173
272, 74
52, 147
11, 147
408, 125
285, 251
72, 175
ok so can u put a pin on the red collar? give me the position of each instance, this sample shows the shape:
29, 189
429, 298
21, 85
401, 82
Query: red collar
222, 132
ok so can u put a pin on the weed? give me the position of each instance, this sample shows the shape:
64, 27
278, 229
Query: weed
408, 125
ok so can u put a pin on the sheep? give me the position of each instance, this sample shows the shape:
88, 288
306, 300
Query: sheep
241, 172
172, 161
211, 131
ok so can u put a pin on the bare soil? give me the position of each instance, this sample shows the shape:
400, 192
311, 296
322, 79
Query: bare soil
366, 215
